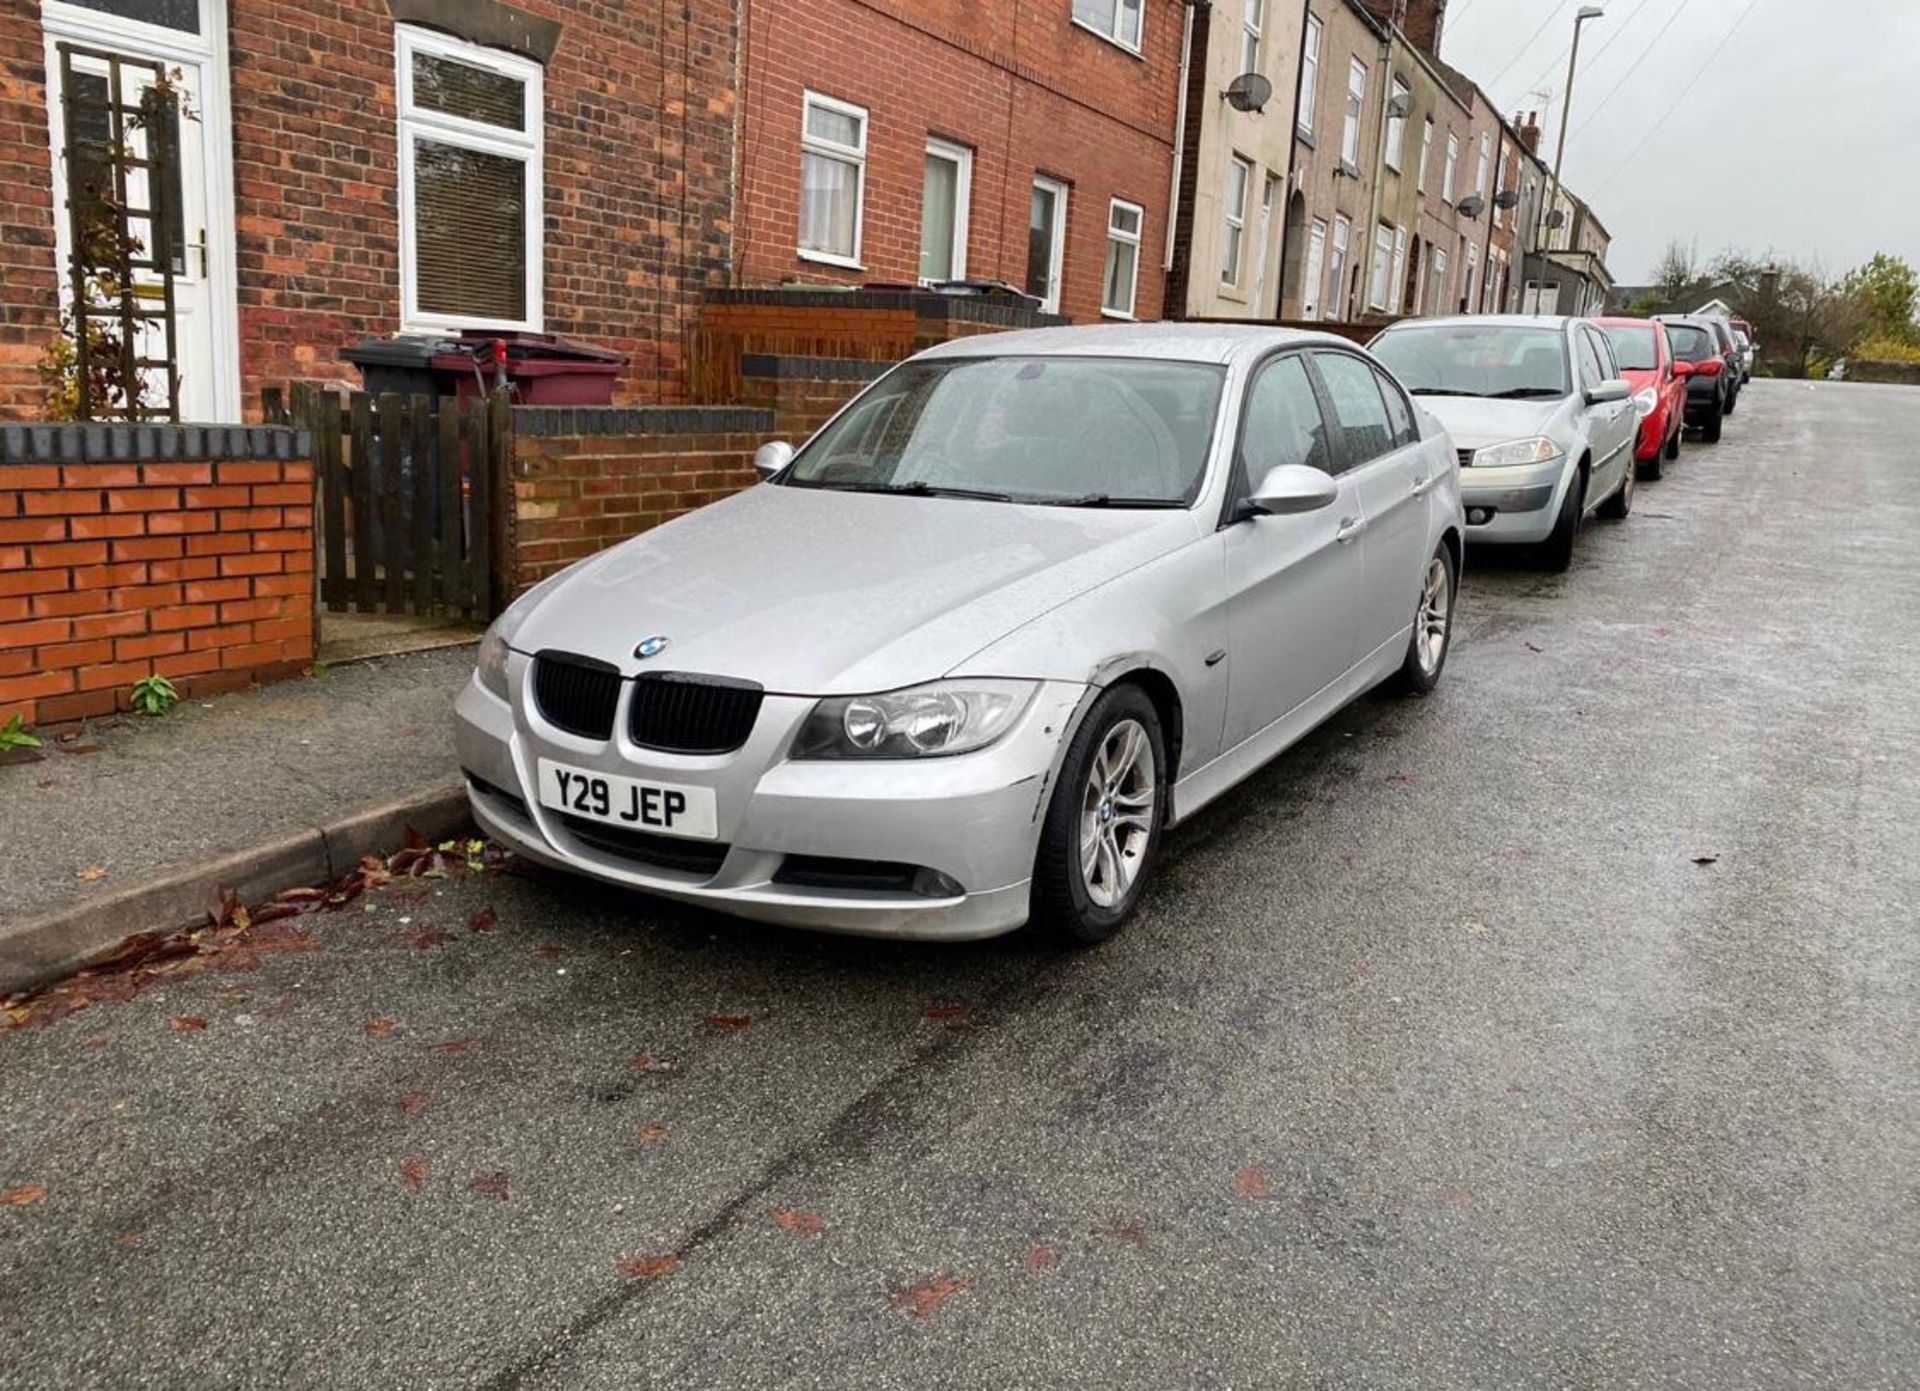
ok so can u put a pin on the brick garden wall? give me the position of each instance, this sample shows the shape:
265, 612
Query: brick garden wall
130, 551
29, 300
585, 479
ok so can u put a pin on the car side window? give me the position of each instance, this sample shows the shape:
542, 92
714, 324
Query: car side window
1283, 424
1590, 373
1399, 413
1359, 412
1603, 346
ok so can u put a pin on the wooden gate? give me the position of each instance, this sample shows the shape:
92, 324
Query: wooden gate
413, 499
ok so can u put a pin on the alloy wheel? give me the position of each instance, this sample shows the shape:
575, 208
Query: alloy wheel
1430, 626
1117, 807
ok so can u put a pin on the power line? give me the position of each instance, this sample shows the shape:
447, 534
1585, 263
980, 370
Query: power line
1632, 71
1658, 125
1552, 15
1621, 29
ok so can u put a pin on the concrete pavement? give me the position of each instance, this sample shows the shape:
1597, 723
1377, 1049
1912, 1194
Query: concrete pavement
1560, 1030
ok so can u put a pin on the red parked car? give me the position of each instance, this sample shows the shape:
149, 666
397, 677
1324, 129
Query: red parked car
1659, 393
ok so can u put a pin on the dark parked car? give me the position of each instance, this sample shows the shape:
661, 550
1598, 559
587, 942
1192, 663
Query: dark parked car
1697, 356
1729, 353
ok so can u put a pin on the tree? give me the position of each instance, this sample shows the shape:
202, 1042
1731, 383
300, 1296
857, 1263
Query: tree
1887, 291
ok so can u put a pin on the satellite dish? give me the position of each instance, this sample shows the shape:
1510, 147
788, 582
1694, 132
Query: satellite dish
1470, 206
1401, 106
1248, 92
1508, 198
1556, 219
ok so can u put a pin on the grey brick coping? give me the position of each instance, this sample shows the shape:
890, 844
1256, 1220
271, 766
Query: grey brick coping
547, 421
815, 369
924, 303
111, 442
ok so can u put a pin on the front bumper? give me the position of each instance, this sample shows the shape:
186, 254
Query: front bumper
1517, 505
974, 818
1653, 436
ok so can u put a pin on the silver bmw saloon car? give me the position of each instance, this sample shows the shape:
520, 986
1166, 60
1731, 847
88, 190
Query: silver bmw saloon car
1543, 419
961, 659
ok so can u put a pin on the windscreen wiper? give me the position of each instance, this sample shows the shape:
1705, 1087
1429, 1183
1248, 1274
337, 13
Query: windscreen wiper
1106, 500
1441, 391
921, 488
1523, 393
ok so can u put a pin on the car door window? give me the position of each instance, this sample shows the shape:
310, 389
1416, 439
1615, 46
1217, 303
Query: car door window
1603, 349
1591, 374
1359, 412
1399, 413
1283, 424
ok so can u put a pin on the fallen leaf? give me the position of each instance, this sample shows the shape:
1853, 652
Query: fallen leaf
92, 872
800, 1223
94, 1041
1535, 647
186, 1024
429, 937
379, 1028
493, 1185
1706, 859
413, 1173
1252, 1183
648, 1267
413, 1103
1134, 1233
922, 1299
548, 951
653, 1134
728, 1023
1404, 779
454, 1045
22, 1194
946, 1012
484, 921
1042, 1258
646, 1062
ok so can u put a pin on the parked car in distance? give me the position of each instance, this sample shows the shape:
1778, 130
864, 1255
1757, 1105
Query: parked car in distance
1697, 358
1729, 354
1744, 341
1539, 412
1024, 603
1645, 359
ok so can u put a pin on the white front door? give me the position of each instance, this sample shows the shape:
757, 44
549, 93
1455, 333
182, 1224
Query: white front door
1262, 248
1046, 242
94, 51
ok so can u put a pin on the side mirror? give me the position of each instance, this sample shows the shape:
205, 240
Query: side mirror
1292, 489
1683, 369
1609, 391
771, 457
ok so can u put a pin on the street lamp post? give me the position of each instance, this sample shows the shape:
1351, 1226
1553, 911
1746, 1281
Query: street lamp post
1587, 12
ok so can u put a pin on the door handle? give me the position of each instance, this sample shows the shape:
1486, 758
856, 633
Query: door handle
1420, 485
1350, 529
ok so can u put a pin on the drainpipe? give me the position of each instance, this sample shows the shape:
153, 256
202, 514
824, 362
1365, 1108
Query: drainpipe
1380, 148
1179, 138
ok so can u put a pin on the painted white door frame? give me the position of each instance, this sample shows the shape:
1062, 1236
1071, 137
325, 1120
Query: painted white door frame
207, 52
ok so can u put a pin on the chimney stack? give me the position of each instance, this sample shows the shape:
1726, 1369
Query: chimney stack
1419, 20
1529, 130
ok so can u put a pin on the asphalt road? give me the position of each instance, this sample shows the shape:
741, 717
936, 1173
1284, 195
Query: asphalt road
1435, 1059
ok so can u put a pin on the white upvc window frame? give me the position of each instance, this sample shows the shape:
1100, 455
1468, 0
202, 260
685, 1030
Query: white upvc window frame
811, 144
1500, 186
1234, 231
962, 157
1452, 166
412, 122
1309, 95
1426, 153
1355, 113
1397, 125
1396, 291
1115, 35
1438, 276
1341, 249
1380, 268
1316, 270
1253, 15
1121, 237
1485, 167
1469, 292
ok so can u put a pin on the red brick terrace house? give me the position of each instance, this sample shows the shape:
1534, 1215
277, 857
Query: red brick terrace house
1026, 141
357, 167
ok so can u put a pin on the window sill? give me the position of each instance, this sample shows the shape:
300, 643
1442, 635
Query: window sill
1107, 313
1232, 291
827, 258
452, 323
1109, 39
1304, 136
1349, 168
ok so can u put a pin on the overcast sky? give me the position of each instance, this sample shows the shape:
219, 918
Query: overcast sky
1801, 134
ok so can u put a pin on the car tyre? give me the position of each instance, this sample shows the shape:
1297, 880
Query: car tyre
1557, 550
1620, 505
1096, 855
1733, 399
1710, 432
1673, 450
1649, 469
1432, 635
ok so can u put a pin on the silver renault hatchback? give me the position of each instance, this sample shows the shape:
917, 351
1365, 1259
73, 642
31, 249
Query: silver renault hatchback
961, 659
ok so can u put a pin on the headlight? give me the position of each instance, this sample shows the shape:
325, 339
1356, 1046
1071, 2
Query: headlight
491, 664
943, 717
1644, 400
1538, 450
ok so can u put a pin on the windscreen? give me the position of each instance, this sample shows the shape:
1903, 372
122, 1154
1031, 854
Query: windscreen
1691, 344
1633, 348
1025, 429
1503, 361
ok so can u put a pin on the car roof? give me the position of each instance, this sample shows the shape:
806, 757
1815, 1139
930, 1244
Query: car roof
1168, 342
1493, 321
